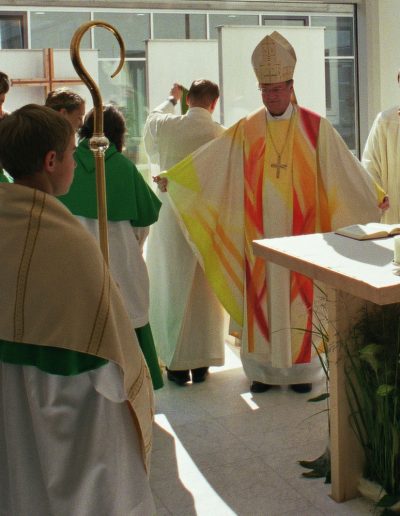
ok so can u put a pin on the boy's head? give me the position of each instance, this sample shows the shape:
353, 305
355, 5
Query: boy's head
114, 126
69, 104
37, 144
4, 83
4, 87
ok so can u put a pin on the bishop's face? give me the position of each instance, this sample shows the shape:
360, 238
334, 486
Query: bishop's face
276, 97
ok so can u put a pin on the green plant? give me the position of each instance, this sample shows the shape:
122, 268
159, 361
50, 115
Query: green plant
321, 466
373, 389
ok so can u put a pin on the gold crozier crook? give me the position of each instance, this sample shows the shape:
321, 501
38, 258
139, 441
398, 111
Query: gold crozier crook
98, 143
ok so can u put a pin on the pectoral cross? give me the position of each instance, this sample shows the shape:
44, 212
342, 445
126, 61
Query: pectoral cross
278, 166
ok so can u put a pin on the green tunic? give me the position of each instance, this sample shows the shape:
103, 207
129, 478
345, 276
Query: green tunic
129, 198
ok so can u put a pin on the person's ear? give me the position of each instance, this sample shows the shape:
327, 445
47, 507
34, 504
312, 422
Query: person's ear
50, 161
63, 111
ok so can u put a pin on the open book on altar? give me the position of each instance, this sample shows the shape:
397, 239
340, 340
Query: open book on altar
369, 231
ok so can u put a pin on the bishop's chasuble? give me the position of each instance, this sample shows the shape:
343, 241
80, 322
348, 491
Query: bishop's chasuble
292, 176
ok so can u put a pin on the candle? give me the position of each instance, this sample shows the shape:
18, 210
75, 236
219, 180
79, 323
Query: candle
397, 249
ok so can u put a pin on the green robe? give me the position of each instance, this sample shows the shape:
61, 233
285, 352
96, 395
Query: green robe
129, 198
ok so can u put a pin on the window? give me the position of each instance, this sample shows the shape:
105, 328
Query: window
55, 29
134, 29
13, 30
292, 21
127, 91
230, 19
340, 76
340, 107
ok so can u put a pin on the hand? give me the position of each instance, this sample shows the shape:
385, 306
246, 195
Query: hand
384, 205
162, 183
176, 91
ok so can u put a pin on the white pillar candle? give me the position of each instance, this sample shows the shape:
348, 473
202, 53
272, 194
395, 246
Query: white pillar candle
397, 249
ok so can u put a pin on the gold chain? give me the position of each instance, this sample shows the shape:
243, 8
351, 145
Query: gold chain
278, 165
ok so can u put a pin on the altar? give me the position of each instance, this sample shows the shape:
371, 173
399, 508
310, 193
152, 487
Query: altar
355, 273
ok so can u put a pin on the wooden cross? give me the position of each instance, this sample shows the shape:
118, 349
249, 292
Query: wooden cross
278, 166
48, 81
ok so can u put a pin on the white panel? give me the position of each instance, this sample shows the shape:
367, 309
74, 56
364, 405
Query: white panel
28, 64
239, 94
181, 61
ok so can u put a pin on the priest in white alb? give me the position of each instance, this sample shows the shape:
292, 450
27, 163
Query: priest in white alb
283, 170
381, 157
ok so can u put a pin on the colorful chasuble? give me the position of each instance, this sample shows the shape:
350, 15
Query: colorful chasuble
296, 185
128, 195
57, 292
221, 189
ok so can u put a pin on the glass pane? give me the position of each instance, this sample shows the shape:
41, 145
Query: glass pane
11, 35
55, 29
196, 26
134, 29
338, 34
230, 19
127, 91
169, 26
340, 99
291, 21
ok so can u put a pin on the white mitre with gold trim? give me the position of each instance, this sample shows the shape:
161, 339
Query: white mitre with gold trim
273, 59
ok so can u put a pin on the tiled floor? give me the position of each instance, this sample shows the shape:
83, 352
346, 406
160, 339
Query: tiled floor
219, 450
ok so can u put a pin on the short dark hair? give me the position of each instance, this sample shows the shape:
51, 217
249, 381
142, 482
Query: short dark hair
203, 92
4, 83
114, 126
28, 134
63, 98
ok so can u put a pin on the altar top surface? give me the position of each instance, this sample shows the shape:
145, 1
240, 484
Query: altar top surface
361, 268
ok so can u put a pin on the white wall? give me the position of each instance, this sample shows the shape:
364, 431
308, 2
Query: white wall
180, 61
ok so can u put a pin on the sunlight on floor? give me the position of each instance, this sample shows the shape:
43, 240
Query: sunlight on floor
248, 398
190, 476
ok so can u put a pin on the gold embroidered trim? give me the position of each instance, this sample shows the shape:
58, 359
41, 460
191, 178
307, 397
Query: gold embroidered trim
100, 321
35, 217
136, 386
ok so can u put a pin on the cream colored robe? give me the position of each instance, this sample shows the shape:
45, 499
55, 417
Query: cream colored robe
186, 317
56, 291
381, 157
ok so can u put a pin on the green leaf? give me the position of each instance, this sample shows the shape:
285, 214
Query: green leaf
384, 389
314, 474
369, 354
321, 397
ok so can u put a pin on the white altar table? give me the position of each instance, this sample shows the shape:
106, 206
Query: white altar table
355, 273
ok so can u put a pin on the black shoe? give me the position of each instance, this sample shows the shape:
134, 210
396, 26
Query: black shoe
199, 374
301, 387
259, 387
179, 377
